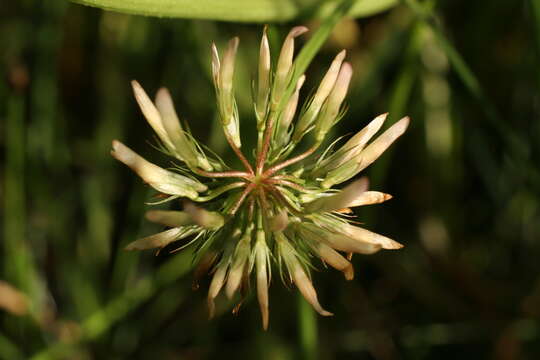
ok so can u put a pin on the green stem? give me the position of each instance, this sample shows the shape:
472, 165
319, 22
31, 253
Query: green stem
307, 330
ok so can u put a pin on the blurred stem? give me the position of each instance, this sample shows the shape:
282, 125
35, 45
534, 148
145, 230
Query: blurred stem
9, 350
400, 96
426, 15
19, 266
535, 4
103, 319
311, 48
307, 320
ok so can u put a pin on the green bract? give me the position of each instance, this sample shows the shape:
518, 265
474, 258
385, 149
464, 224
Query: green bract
280, 210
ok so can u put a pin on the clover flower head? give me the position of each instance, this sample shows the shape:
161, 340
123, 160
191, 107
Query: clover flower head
282, 209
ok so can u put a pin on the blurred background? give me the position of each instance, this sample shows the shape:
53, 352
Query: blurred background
465, 180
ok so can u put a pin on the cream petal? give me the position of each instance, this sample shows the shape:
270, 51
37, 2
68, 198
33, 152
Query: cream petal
262, 290
263, 83
340, 200
329, 79
158, 240
367, 236
280, 221
355, 144
160, 179
215, 286
369, 198
239, 265
303, 283
151, 113
284, 64
348, 244
334, 259
169, 218
204, 218
379, 145
227, 67
216, 66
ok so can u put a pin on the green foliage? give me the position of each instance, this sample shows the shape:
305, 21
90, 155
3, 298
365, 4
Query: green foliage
465, 182
262, 11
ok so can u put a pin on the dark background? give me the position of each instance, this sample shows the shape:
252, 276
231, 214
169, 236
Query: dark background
465, 179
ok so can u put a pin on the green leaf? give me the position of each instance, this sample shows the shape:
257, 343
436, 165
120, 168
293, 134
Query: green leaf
236, 10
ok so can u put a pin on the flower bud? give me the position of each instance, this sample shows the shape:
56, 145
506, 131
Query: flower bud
340, 200
334, 259
151, 113
215, 286
304, 284
262, 263
239, 265
369, 198
279, 222
298, 275
379, 145
351, 148
226, 76
324, 89
340, 174
207, 219
169, 218
224, 90
162, 239
284, 65
183, 148
263, 83
367, 236
160, 179
281, 136
332, 106
216, 66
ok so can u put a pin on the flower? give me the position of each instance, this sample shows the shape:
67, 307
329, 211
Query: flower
280, 211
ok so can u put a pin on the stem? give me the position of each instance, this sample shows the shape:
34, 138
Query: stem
218, 191
261, 157
307, 329
291, 161
287, 183
224, 174
240, 200
240, 155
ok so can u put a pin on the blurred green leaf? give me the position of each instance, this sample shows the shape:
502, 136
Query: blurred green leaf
236, 10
